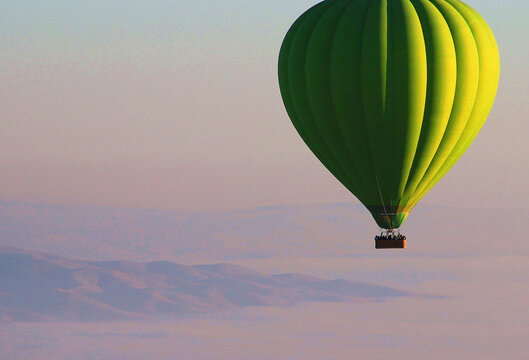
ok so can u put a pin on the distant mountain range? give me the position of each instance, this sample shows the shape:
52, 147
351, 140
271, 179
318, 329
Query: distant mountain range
37, 286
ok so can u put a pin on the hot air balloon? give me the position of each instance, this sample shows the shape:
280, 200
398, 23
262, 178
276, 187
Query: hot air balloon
388, 94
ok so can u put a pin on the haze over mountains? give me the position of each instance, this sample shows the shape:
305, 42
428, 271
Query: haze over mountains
318, 230
475, 261
327, 240
39, 286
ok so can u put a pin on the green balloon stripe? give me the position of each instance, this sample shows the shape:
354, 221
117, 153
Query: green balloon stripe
299, 111
407, 80
287, 99
465, 92
346, 91
318, 87
441, 86
487, 85
373, 54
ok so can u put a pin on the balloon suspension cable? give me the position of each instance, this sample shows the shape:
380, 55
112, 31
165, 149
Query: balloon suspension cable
382, 200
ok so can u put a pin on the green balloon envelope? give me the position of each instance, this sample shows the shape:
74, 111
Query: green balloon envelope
388, 94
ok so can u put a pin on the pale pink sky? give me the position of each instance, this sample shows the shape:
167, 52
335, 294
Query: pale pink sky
187, 114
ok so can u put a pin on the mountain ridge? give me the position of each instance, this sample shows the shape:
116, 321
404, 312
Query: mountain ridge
36, 286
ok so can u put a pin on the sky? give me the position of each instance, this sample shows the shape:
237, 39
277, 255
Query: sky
175, 105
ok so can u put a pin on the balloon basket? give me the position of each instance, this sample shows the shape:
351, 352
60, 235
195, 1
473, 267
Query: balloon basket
390, 239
